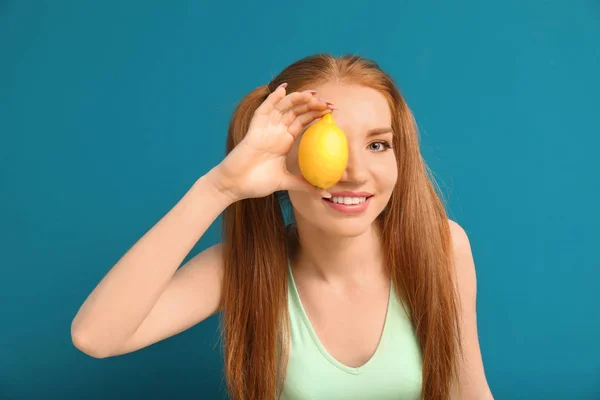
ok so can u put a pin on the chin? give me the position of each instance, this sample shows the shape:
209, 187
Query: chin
335, 222
344, 229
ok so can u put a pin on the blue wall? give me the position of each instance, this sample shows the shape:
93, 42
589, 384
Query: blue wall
110, 110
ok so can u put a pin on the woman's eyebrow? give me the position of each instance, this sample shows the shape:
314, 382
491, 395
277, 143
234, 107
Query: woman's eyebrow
379, 131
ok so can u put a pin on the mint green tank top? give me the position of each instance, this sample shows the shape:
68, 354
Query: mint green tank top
393, 372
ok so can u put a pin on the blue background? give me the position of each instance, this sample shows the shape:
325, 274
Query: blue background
110, 110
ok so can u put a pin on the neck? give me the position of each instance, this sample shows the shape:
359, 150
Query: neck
340, 260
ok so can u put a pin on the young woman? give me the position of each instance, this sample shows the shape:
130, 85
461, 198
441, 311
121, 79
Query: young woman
369, 291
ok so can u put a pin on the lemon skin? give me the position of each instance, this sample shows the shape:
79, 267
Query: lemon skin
323, 153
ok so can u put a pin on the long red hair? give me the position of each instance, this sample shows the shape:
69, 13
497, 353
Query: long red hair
415, 232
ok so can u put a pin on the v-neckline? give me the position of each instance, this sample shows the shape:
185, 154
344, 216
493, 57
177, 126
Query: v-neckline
351, 370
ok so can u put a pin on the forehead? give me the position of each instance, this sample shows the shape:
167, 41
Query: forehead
360, 108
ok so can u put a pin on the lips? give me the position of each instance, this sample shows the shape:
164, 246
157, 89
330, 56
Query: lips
349, 202
347, 193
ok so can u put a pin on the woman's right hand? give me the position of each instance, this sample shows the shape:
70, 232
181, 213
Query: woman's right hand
256, 166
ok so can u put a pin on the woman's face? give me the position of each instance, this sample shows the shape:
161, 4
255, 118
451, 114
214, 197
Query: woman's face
371, 173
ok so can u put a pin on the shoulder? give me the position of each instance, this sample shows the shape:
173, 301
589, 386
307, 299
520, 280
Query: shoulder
463, 260
460, 239
461, 245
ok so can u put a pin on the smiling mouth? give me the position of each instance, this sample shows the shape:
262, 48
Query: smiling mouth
349, 205
348, 200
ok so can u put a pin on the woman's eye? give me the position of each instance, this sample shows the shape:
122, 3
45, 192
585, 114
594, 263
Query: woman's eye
380, 146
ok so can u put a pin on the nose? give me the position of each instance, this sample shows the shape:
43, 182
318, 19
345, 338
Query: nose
356, 171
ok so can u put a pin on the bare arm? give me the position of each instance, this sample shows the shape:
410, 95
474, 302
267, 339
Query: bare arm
144, 297
474, 385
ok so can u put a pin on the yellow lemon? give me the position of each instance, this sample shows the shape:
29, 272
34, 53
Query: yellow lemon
323, 153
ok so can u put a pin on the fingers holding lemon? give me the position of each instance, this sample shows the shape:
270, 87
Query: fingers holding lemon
256, 167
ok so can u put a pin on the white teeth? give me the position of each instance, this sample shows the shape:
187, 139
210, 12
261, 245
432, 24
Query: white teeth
348, 200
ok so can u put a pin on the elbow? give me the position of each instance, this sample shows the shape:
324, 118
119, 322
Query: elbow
83, 342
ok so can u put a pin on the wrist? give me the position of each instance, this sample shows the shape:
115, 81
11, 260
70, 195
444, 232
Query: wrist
221, 186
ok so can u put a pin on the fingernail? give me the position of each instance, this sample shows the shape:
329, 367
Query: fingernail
331, 106
282, 85
325, 193
313, 92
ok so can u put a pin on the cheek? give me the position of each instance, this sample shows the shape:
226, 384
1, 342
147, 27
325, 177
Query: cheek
302, 204
386, 174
